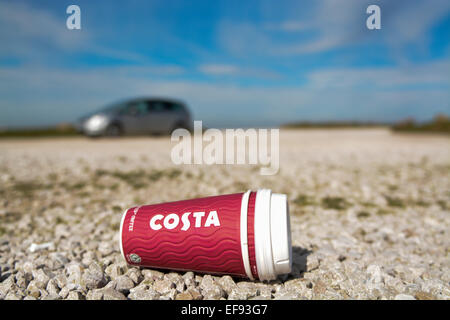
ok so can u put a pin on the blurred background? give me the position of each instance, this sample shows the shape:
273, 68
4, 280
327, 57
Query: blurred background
369, 201
252, 64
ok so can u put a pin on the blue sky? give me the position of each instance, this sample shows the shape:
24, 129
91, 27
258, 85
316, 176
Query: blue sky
235, 63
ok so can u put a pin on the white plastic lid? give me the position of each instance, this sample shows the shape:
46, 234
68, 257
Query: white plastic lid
273, 246
280, 233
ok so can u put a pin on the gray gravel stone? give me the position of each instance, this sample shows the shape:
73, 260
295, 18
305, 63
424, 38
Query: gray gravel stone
176, 279
184, 296
13, 296
163, 286
227, 283
135, 275
297, 285
6, 286
288, 296
195, 293
213, 293
59, 260
263, 297
74, 274
312, 262
94, 277
33, 290
28, 267
198, 279
61, 280
207, 281
52, 297
105, 248
170, 295
364, 226
96, 294
111, 294
143, 294
152, 274
124, 284
62, 231
75, 295
404, 297
23, 279
375, 274
115, 270
88, 258
210, 289
237, 294
40, 278
64, 292
188, 278
52, 287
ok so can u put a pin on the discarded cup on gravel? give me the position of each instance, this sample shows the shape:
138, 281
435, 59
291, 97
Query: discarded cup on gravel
243, 234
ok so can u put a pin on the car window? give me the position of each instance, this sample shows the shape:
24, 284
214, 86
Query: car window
159, 106
163, 106
113, 107
136, 108
177, 107
170, 106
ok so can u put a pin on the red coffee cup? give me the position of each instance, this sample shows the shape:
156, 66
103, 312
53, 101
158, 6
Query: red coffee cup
243, 234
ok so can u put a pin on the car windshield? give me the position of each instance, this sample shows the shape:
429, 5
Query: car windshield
112, 107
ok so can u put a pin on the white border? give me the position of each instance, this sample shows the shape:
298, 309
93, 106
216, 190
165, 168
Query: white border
244, 234
120, 234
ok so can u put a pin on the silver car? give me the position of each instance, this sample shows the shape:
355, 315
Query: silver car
136, 117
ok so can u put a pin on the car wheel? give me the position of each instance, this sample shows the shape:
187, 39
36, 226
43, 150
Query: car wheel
113, 130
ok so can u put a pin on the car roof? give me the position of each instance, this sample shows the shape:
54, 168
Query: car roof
159, 99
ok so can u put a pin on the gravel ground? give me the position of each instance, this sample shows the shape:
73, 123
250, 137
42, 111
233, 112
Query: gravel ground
369, 213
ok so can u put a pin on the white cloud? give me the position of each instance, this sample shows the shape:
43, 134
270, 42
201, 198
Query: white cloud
218, 69
31, 95
288, 26
429, 74
37, 35
238, 71
23, 28
335, 24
